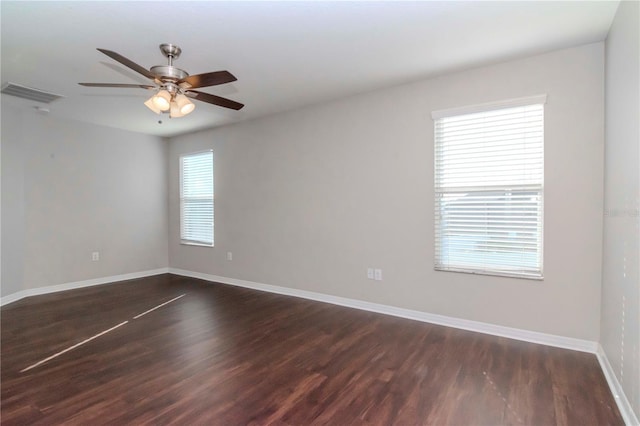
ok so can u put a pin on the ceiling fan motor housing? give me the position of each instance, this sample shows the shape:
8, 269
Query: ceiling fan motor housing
168, 72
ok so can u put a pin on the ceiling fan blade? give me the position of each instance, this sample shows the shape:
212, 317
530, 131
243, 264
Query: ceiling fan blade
208, 79
213, 99
128, 63
137, 86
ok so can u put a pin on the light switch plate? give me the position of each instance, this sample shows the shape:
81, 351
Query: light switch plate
378, 274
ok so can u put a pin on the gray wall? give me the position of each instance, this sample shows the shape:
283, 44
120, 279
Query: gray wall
69, 189
12, 199
620, 325
309, 199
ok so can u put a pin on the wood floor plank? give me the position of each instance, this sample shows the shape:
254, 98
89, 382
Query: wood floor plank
223, 355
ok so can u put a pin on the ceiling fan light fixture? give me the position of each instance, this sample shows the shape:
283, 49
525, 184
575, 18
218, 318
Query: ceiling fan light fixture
149, 104
174, 112
162, 100
184, 104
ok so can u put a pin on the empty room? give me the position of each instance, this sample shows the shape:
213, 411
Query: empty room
320, 213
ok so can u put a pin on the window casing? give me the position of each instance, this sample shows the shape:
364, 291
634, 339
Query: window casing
489, 182
196, 198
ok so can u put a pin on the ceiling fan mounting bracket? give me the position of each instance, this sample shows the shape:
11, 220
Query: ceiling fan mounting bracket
170, 51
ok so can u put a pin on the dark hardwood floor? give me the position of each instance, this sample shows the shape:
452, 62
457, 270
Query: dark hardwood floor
222, 355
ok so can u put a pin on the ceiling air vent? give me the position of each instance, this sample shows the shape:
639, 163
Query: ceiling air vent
29, 93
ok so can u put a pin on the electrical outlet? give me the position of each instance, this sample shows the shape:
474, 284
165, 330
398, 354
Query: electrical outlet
95, 256
229, 255
370, 273
378, 274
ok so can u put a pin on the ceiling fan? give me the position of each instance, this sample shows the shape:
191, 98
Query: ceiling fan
173, 85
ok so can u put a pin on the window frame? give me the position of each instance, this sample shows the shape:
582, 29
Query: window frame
439, 191
186, 241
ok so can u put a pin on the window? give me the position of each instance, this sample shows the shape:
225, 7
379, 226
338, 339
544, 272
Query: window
196, 198
489, 188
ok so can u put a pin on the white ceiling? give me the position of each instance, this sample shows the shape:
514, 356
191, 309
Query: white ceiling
284, 54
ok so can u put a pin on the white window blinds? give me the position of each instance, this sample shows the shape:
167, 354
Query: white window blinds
196, 198
489, 189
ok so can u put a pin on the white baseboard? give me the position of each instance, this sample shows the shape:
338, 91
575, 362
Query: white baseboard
624, 405
14, 297
480, 327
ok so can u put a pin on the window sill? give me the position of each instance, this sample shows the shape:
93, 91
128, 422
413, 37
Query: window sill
190, 243
491, 273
